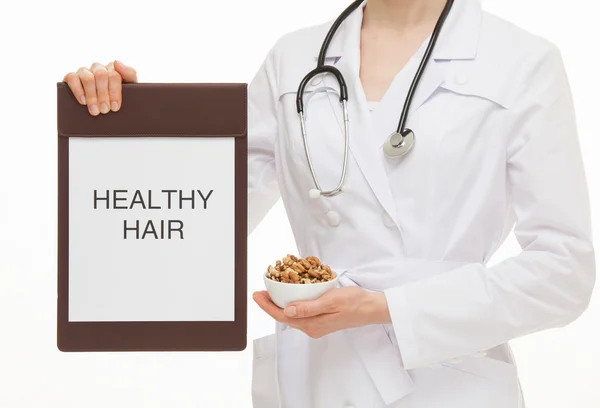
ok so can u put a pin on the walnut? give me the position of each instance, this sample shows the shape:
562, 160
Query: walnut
293, 269
294, 275
298, 267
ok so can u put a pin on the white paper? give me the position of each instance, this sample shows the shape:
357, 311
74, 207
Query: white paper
179, 279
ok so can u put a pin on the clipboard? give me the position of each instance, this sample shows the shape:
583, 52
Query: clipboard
152, 220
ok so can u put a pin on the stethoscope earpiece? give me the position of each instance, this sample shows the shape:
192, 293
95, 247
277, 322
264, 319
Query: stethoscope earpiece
314, 193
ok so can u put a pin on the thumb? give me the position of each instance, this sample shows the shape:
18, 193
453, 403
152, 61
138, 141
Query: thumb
309, 308
127, 73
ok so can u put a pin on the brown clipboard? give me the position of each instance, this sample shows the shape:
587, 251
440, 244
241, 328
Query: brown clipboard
150, 110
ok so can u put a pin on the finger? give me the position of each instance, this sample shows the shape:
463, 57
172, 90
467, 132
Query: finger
114, 87
128, 73
89, 86
72, 79
309, 308
264, 301
101, 75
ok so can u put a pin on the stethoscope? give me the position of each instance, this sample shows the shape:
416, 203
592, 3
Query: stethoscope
400, 142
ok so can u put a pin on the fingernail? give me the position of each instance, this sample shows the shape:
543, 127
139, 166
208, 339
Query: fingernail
290, 311
94, 110
104, 108
115, 106
82, 99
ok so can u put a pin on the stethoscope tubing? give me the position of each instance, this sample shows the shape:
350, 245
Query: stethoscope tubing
338, 189
320, 70
333, 29
426, 56
321, 67
397, 143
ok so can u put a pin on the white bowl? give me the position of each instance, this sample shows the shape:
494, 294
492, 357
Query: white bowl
283, 294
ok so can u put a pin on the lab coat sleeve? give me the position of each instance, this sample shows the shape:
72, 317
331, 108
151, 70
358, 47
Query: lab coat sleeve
263, 191
549, 283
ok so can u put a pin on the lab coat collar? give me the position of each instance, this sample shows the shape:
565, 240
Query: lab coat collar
458, 39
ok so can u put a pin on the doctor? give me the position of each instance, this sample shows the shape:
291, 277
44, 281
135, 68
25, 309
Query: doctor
488, 143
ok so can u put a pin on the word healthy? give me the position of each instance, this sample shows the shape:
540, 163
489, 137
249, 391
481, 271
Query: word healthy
166, 199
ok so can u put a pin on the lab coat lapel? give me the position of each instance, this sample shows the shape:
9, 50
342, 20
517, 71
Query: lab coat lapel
363, 146
432, 78
457, 41
386, 116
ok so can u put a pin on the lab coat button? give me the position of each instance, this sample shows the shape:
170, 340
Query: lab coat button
333, 218
461, 79
388, 220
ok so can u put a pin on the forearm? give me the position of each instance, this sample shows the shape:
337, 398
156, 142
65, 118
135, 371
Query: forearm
474, 308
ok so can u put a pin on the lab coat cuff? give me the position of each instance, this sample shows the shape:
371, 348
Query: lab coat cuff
399, 310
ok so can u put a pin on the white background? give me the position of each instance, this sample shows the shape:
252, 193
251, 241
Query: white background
207, 41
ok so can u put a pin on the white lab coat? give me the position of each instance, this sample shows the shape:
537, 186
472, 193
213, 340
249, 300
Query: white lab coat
496, 147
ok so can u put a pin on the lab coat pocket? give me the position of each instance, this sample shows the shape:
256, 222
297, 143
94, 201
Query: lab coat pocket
265, 393
271, 352
496, 379
491, 368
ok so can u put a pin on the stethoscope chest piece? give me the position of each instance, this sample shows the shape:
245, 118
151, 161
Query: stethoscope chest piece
398, 144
